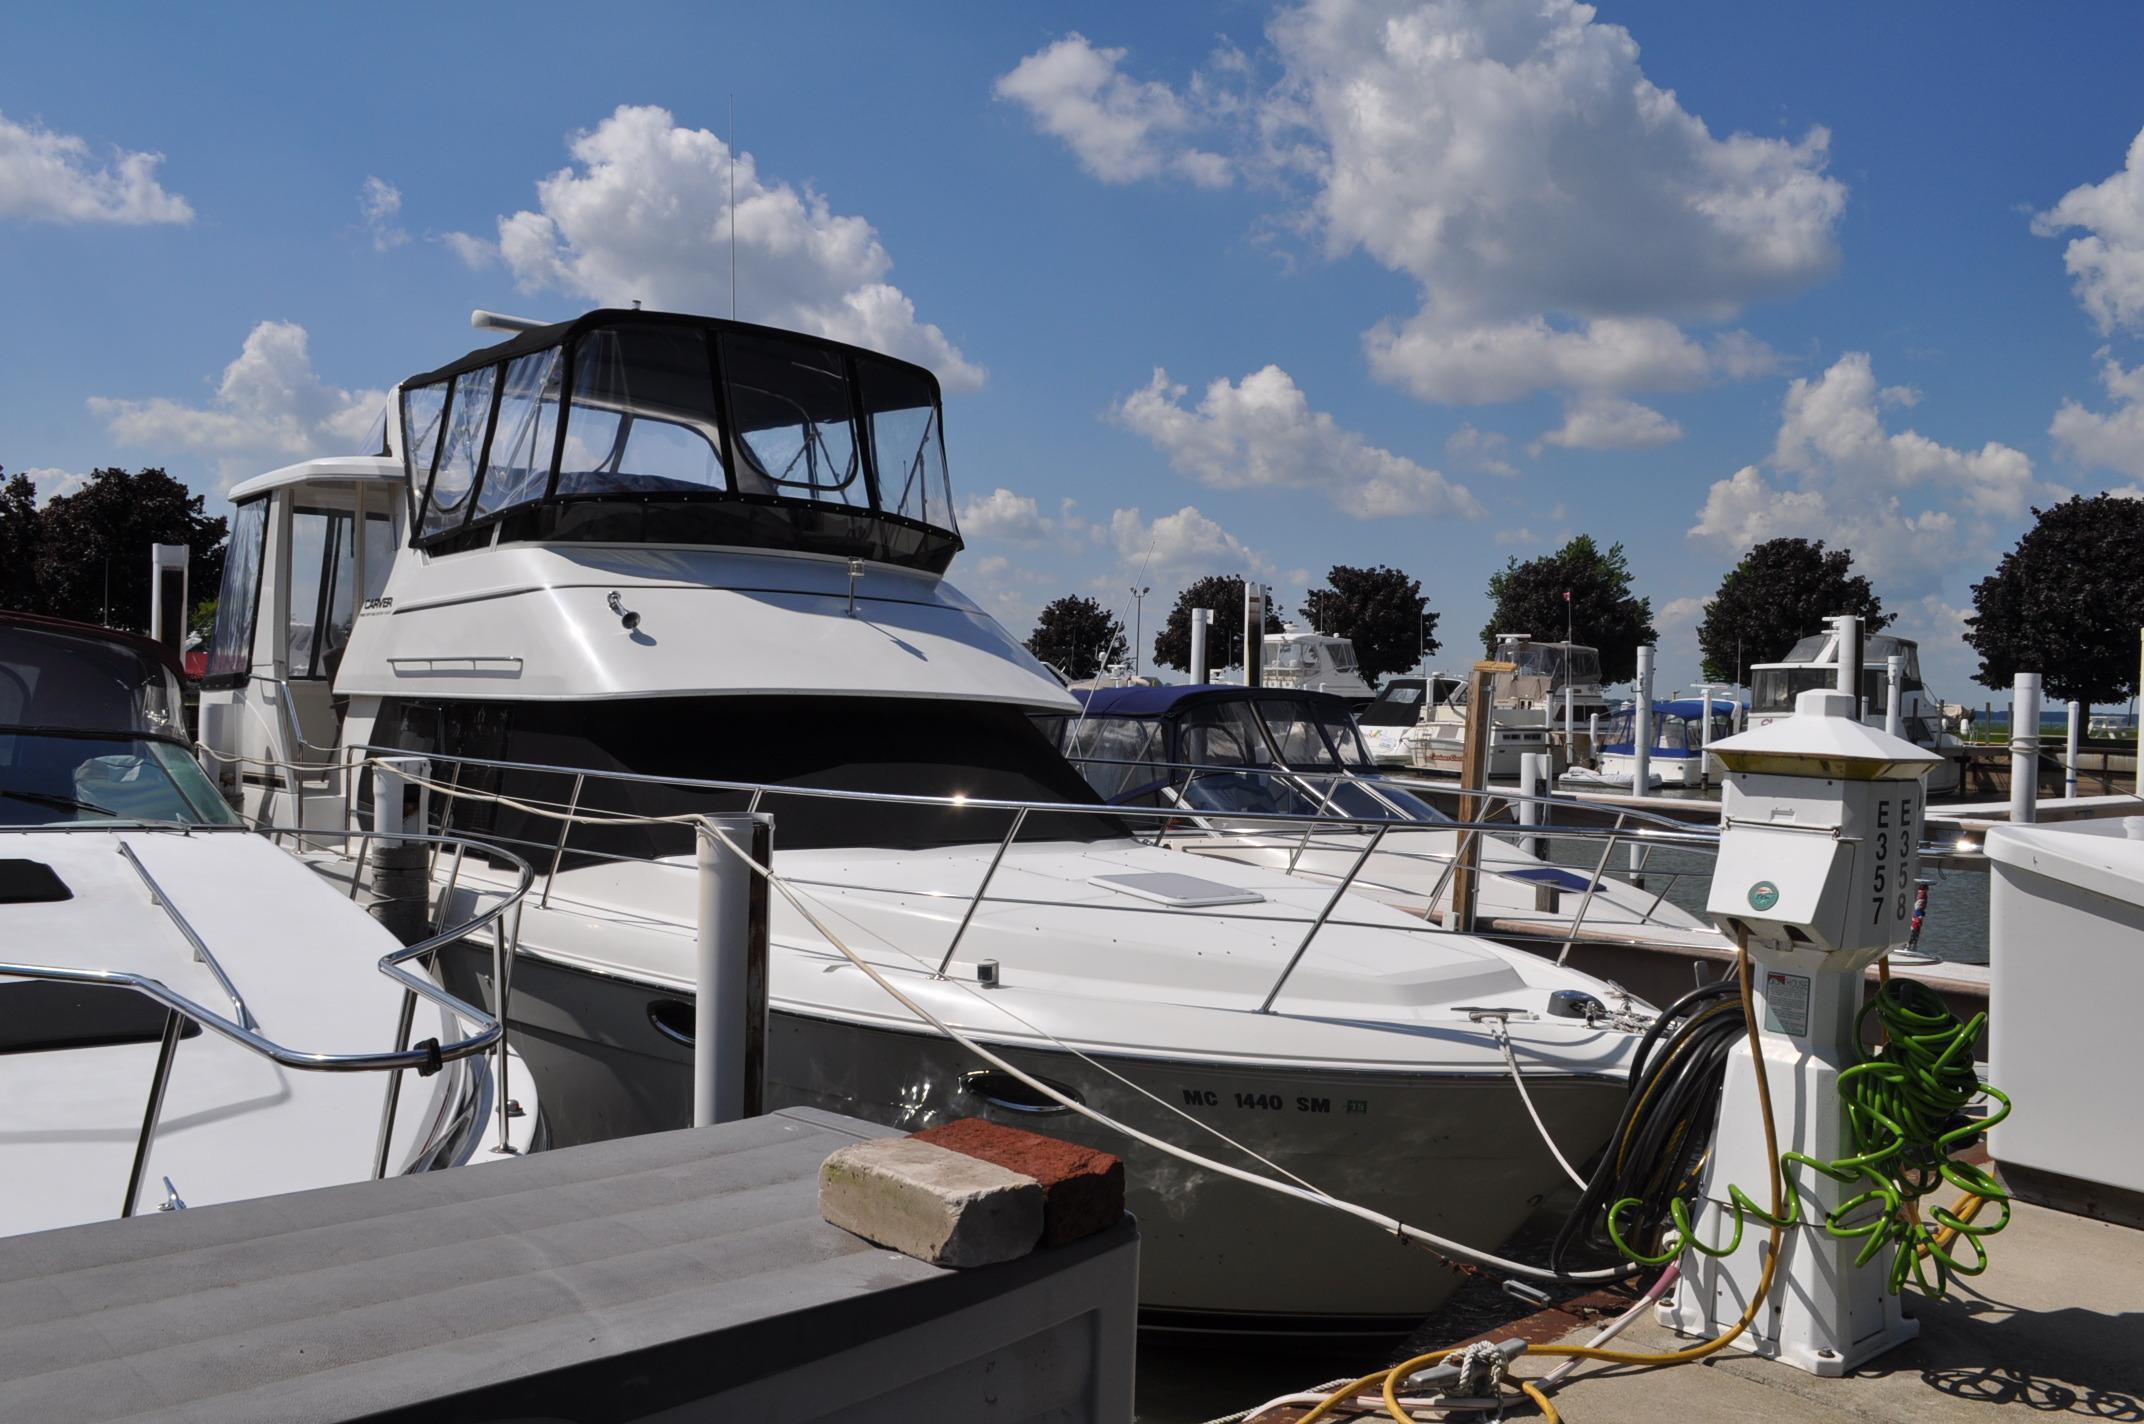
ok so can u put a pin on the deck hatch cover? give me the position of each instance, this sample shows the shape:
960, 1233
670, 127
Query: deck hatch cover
30, 882
1169, 887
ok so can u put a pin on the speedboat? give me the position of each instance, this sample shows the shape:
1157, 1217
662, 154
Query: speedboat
1218, 753
1305, 660
1401, 704
1677, 756
1814, 663
191, 1014
649, 565
1543, 705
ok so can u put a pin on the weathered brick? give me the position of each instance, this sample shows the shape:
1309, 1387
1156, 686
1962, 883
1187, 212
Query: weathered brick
1083, 1188
926, 1201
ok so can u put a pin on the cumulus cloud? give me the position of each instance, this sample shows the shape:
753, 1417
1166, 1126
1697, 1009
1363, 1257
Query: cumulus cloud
1563, 216
475, 252
1260, 433
1186, 542
381, 203
2106, 264
644, 214
1120, 129
53, 177
1896, 498
1611, 423
51, 483
1484, 450
269, 409
2109, 440
1018, 519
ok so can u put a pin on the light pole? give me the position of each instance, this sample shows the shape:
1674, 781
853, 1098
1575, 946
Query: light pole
1138, 618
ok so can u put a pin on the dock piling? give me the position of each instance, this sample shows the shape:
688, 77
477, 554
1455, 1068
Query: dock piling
2025, 749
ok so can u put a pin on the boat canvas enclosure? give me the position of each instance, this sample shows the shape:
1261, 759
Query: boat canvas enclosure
656, 427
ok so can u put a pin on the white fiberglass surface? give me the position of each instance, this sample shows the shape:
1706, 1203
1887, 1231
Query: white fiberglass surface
1095, 966
234, 1124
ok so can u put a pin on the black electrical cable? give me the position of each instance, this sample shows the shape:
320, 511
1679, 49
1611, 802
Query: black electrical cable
1658, 1148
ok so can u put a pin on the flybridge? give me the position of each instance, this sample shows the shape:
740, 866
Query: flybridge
654, 427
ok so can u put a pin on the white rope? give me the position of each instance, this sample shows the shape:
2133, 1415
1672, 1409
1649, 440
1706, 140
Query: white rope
1511, 1061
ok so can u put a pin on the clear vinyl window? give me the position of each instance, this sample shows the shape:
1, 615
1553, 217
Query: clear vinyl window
447, 505
230, 646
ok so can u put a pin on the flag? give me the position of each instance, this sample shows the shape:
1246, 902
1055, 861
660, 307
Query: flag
1566, 595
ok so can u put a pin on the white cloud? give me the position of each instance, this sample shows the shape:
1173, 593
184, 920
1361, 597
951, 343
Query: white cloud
475, 252
1261, 433
51, 483
1611, 423
1484, 450
645, 215
2106, 265
1120, 129
2113, 440
52, 177
1186, 542
1899, 500
270, 408
381, 203
1562, 214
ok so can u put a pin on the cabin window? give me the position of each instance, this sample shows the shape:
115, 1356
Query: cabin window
230, 647
907, 446
323, 584
421, 410
643, 419
446, 505
795, 435
519, 467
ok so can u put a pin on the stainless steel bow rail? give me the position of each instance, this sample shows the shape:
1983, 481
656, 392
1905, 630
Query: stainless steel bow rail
451, 787
426, 1057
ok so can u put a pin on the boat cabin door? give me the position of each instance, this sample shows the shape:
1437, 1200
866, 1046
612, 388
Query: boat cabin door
304, 555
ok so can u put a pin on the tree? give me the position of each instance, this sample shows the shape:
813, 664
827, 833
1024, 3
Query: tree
93, 545
2066, 602
1077, 635
1603, 613
1782, 590
1381, 611
18, 545
1223, 593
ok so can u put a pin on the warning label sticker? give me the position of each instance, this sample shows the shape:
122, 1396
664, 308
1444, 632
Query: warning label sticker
1786, 1003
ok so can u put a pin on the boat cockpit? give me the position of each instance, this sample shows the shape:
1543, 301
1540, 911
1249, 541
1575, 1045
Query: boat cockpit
655, 427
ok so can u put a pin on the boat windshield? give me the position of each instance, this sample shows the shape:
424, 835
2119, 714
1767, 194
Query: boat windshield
1562, 664
1773, 689
91, 731
1397, 704
880, 746
648, 427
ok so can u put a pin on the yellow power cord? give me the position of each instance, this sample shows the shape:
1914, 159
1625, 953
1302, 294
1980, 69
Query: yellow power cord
1391, 1379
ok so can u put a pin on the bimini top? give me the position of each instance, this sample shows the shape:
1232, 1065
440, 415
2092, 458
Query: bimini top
659, 428
1168, 701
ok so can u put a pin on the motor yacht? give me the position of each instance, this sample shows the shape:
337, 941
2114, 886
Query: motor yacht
1679, 737
649, 565
1219, 752
1551, 685
1401, 704
1814, 662
188, 1013
1306, 660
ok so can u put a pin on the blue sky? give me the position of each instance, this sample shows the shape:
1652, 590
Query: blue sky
1432, 285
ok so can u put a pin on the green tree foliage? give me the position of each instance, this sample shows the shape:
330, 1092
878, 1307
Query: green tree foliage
93, 545
2066, 602
1381, 611
1223, 593
1782, 590
18, 545
1077, 635
1604, 613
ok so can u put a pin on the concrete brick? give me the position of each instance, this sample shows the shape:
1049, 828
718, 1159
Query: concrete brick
1082, 1187
930, 1202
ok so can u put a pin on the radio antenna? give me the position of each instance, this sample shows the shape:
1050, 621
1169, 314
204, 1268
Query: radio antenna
733, 207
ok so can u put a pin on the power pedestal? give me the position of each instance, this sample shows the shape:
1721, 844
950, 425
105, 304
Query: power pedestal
1820, 828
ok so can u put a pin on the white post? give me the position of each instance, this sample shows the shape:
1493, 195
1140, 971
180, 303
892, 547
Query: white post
1534, 781
391, 781
721, 957
1894, 697
1200, 618
167, 594
1593, 737
2025, 749
1254, 633
1642, 736
1570, 725
1848, 681
1704, 742
2069, 758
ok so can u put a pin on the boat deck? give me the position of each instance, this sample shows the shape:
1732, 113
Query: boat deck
2055, 1327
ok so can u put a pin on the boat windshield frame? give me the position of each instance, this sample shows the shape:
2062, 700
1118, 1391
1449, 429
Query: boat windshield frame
507, 466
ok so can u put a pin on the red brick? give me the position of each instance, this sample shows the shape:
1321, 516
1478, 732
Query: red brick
1082, 1189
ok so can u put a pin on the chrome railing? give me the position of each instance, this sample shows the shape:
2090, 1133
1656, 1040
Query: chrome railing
426, 1058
